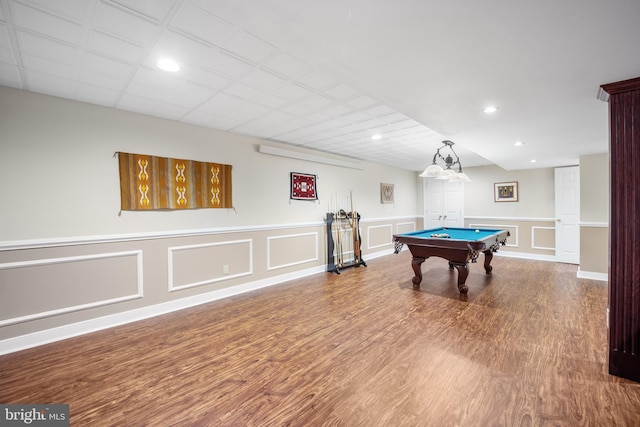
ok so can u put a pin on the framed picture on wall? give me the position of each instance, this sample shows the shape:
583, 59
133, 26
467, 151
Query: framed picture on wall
386, 193
505, 191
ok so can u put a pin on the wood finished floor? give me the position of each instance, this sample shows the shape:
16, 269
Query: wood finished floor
526, 347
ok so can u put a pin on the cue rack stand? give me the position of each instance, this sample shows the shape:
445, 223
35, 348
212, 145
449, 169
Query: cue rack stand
344, 243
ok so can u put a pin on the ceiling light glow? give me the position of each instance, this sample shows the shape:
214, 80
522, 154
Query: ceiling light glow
168, 65
490, 109
376, 137
518, 143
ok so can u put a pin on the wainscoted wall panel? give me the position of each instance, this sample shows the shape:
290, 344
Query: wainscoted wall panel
594, 256
291, 250
40, 288
379, 236
530, 237
206, 263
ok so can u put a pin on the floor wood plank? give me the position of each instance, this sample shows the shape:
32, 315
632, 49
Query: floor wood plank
527, 346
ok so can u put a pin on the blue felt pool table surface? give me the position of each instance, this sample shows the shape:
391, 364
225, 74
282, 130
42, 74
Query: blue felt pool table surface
466, 234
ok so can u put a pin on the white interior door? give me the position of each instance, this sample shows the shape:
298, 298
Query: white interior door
453, 203
443, 203
567, 200
433, 203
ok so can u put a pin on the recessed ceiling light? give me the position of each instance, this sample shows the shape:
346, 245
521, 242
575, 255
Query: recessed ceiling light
518, 143
490, 109
376, 137
532, 160
168, 65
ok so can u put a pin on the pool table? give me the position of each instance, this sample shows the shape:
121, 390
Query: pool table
457, 245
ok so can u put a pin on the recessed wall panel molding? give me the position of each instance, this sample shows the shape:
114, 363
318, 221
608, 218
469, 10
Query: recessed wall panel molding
207, 263
379, 236
40, 288
405, 227
292, 249
543, 238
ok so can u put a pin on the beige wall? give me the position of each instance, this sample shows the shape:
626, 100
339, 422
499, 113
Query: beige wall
535, 193
594, 216
58, 157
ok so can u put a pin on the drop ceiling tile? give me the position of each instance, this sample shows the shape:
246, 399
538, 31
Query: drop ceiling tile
97, 95
151, 84
297, 109
317, 117
244, 91
170, 111
229, 106
201, 118
208, 79
187, 94
291, 92
9, 75
263, 80
102, 80
156, 9
103, 65
5, 40
226, 64
137, 104
379, 110
316, 80
47, 48
180, 48
356, 117
361, 102
249, 47
337, 110
341, 92
124, 25
37, 63
317, 101
271, 101
114, 47
6, 56
73, 9
394, 117
201, 24
49, 84
289, 126
44, 23
286, 65
269, 120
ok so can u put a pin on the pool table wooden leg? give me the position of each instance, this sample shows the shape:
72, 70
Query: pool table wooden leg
416, 264
488, 256
463, 273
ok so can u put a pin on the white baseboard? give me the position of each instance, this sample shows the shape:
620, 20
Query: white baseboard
538, 257
604, 277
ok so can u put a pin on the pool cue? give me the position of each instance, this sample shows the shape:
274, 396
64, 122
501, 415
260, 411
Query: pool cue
338, 243
354, 230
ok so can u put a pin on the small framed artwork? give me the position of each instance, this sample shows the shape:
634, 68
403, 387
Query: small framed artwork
386, 193
505, 191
